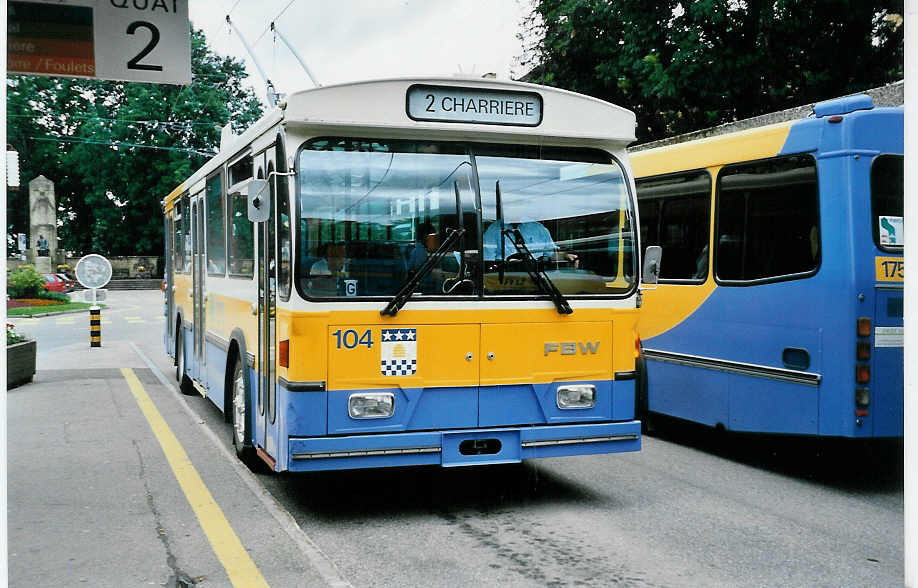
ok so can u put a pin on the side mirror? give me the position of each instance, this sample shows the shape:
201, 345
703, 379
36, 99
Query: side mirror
652, 257
259, 201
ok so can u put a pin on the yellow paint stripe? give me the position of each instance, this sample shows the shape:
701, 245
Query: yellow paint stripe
226, 545
745, 145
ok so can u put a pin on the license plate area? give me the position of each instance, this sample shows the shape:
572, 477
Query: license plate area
463, 448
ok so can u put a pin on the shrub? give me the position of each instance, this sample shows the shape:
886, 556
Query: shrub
55, 296
24, 282
12, 336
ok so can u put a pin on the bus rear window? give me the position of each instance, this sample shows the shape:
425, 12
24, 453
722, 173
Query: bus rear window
887, 200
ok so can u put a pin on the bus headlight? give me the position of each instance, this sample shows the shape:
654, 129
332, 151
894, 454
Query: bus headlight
371, 405
576, 396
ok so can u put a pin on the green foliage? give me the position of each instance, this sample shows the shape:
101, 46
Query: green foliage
13, 336
24, 282
682, 65
58, 296
109, 196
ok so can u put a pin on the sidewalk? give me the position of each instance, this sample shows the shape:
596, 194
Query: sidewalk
93, 500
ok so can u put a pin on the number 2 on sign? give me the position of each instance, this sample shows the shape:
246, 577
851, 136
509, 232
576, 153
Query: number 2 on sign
350, 339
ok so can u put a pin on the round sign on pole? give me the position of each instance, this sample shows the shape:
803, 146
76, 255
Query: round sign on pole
93, 271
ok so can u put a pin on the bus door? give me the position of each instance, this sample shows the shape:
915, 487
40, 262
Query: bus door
168, 279
266, 436
198, 272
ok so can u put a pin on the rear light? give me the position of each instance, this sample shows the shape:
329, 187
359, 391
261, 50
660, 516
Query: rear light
372, 405
638, 347
863, 350
576, 396
862, 374
863, 326
862, 397
283, 353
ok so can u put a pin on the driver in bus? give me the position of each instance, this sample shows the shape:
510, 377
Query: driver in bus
333, 261
538, 240
426, 242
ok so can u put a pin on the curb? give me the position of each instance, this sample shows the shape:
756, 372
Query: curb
76, 311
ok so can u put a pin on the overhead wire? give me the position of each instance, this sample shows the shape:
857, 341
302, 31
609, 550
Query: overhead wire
273, 20
120, 120
125, 145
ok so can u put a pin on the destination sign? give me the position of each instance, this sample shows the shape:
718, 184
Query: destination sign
474, 105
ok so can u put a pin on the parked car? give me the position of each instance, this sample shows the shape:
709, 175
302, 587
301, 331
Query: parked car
53, 283
70, 283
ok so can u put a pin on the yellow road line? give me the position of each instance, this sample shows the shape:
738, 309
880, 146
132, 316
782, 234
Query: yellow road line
239, 566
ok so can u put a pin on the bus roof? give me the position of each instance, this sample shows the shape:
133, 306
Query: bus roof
382, 104
381, 107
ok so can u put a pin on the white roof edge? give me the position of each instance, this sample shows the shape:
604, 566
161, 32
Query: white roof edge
459, 81
238, 142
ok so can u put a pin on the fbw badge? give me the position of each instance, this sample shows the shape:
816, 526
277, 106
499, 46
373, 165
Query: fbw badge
399, 352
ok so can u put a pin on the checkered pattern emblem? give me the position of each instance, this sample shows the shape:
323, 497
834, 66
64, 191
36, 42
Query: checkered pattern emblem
399, 352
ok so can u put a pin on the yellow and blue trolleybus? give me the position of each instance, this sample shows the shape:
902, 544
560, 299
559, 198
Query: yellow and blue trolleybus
406, 272
779, 308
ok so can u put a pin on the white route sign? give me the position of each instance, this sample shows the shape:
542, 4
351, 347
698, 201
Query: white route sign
130, 40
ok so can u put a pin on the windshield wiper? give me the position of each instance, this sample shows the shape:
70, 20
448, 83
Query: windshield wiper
405, 292
538, 274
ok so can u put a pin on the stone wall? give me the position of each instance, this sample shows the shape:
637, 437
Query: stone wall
122, 267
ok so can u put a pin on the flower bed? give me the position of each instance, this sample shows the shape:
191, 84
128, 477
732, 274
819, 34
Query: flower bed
20, 302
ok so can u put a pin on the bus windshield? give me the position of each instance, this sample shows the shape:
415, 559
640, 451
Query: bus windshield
370, 212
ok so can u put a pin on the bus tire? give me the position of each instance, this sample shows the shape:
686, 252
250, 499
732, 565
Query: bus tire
240, 421
185, 385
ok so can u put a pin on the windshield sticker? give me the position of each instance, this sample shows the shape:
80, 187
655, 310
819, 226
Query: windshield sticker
399, 352
891, 228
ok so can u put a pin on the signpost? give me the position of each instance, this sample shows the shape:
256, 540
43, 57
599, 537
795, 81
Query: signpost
94, 271
131, 40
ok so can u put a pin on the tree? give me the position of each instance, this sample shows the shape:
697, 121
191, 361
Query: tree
682, 66
115, 149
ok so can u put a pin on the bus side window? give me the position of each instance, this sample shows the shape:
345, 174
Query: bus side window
675, 211
216, 228
241, 240
178, 240
768, 219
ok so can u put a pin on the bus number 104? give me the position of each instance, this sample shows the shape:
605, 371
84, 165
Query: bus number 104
350, 339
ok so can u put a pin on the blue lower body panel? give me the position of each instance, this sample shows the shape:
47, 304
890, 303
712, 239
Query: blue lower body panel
462, 447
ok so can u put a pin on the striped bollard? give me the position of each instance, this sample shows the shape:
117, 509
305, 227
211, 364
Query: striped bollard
95, 327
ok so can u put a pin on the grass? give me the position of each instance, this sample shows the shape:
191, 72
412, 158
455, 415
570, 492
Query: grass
49, 309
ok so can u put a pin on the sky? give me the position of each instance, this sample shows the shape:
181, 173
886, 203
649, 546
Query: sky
348, 40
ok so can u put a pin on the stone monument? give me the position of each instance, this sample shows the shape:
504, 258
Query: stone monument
42, 224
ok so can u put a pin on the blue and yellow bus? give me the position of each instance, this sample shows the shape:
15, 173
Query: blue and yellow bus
779, 308
407, 272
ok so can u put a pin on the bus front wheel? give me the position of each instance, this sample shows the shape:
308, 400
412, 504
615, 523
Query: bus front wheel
185, 385
244, 452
